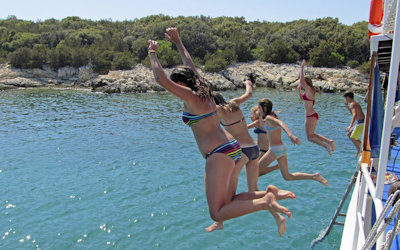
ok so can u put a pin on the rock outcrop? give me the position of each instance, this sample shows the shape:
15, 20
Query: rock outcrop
141, 79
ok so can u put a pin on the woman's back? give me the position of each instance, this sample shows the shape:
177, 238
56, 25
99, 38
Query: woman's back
235, 124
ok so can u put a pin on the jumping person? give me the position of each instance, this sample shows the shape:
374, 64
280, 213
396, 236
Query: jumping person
277, 150
262, 139
221, 151
232, 119
356, 127
308, 96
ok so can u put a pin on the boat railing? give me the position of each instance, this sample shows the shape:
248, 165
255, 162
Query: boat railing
367, 185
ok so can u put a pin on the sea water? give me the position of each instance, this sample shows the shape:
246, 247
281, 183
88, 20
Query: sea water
81, 170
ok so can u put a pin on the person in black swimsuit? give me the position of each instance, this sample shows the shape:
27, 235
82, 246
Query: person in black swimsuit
232, 119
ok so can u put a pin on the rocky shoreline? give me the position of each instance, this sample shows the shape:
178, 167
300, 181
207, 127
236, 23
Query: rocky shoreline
140, 78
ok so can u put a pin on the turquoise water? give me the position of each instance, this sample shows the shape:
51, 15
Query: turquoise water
81, 170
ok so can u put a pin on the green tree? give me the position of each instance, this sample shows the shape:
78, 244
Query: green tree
122, 61
326, 55
168, 56
215, 64
279, 52
38, 56
19, 58
198, 38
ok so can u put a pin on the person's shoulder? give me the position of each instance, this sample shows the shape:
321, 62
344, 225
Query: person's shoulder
220, 108
357, 104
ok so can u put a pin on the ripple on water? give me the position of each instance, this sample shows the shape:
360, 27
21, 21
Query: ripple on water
83, 170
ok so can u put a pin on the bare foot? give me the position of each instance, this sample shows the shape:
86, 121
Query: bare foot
215, 226
280, 222
279, 193
318, 177
332, 143
328, 147
274, 207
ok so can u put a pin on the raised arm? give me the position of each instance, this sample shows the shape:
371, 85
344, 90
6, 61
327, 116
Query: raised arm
181, 92
173, 35
303, 83
299, 90
247, 95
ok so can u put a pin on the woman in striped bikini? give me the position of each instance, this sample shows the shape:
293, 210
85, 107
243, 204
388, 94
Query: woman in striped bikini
308, 96
219, 148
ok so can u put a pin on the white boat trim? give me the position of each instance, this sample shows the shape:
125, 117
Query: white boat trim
357, 223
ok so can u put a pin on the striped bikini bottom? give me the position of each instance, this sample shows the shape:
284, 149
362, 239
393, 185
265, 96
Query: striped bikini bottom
230, 148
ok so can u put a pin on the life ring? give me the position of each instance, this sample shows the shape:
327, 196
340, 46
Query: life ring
375, 26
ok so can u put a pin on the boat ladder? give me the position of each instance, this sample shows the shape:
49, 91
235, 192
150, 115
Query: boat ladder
327, 230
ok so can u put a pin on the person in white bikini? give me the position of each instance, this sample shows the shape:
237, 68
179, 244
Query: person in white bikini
277, 150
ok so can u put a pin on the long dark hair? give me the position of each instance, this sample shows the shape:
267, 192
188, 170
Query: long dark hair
266, 106
199, 85
219, 100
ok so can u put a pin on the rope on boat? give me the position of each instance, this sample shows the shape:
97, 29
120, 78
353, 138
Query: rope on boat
390, 235
327, 230
375, 233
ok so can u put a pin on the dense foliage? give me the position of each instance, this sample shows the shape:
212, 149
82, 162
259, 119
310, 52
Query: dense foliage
212, 42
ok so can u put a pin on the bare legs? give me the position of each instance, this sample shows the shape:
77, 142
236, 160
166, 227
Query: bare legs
264, 162
219, 171
231, 193
311, 124
283, 166
356, 143
252, 175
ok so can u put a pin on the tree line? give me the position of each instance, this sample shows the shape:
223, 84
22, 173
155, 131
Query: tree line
212, 42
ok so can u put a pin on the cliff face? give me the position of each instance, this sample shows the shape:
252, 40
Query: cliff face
141, 79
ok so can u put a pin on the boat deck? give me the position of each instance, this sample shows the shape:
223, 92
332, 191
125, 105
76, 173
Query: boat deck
393, 167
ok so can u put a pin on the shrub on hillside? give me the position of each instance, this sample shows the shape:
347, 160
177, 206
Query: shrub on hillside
279, 52
215, 64
353, 64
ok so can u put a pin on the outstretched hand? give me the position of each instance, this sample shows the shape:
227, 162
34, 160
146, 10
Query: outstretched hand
153, 45
172, 34
295, 140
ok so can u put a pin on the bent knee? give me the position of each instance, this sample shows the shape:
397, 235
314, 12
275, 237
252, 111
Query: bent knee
288, 177
215, 216
310, 137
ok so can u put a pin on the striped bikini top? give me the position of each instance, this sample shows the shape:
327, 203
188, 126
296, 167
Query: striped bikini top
190, 119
